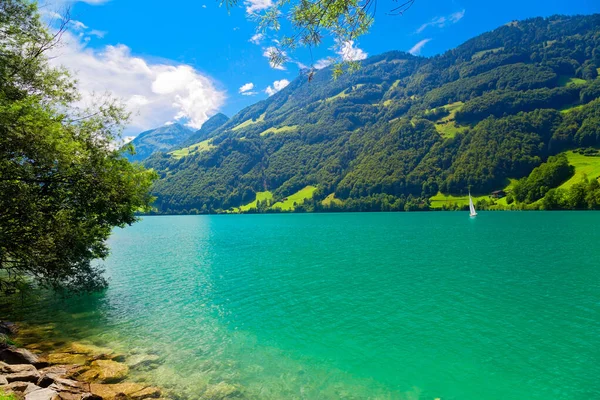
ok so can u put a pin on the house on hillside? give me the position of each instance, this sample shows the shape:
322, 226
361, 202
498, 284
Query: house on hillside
498, 194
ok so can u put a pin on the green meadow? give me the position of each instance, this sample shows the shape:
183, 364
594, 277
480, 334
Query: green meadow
288, 204
584, 166
195, 148
283, 129
447, 126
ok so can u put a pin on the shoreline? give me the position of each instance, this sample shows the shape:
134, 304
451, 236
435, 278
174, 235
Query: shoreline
57, 370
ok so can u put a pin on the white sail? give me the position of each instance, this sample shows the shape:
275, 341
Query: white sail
471, 206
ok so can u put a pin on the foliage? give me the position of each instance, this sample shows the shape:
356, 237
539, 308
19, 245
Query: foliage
401, 128
63, 186
544, 177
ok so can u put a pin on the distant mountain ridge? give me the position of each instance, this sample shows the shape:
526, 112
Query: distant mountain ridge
159, 139
401, 129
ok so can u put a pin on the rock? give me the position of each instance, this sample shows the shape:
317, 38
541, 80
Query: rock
12, 355
90, 396
109, 392
8, 328
3, 380
31, 388
146, 393
42, 394
143, 361
12, 368
67, 358
89, 350
105, 371
220, 391
24, 376
16, 386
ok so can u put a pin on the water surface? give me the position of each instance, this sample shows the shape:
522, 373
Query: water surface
355, 306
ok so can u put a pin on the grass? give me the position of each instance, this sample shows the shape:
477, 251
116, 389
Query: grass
569, 109
260, 196
288, 203
584, 165
481, 53
440, 199
195, 148
331, 199
283, 129
449, 129
344, 93
447, 126
249, 122
5, 396
568, 81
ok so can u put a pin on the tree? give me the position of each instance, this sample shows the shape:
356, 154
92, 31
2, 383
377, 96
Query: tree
63, 184
311, 20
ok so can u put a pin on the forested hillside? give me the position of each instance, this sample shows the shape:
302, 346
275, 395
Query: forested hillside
402, 129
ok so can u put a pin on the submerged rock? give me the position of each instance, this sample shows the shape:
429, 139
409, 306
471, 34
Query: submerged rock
105, 371
67, 358
89, 350
127, 390
143, 361
221, 391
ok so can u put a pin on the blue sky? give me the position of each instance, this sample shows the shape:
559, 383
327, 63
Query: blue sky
188, 59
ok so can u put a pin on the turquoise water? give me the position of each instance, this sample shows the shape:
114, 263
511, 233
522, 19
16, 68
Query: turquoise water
355, 306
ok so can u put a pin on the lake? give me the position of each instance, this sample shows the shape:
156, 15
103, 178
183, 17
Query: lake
355, 306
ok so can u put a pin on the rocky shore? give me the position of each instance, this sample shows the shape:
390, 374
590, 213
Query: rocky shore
69, 371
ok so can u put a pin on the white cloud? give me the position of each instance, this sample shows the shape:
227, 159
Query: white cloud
440, 22
203, 5
348, 52
78, 25
254, 6
97, 33
153, 92
257, 38
416, 49
246, 89
277, 86
273, 50
323, 63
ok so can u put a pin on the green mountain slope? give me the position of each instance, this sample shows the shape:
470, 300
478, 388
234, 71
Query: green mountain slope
402, 128
159, 139
211, 125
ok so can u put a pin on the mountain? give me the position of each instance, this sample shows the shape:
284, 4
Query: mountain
159, 139
404, 132
211, 125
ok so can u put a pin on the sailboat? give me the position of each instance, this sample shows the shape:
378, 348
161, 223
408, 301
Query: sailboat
472, 212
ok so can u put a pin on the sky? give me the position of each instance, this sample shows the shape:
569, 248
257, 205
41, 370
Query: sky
186, 60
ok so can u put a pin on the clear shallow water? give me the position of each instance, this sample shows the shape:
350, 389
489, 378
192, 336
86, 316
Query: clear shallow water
356, 306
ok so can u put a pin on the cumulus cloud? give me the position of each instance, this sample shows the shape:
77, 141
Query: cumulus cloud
257, 38
277, 86
255, 6
153, 92
440, 22
273, 50
416, 49
246, 89
348, 52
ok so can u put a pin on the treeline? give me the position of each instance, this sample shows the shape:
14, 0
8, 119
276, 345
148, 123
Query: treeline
530, 91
